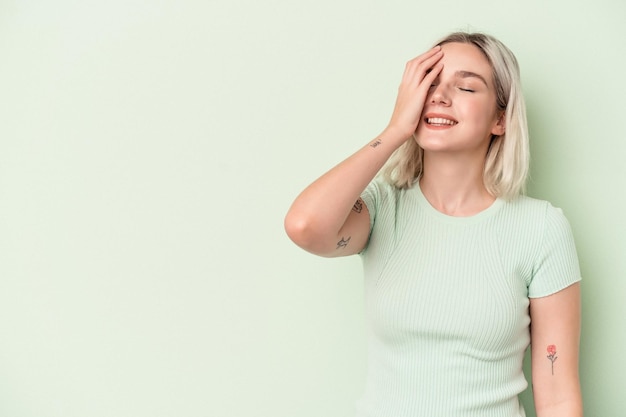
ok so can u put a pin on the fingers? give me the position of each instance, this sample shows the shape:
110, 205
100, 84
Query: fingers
419, 67
433, 73
435, 53
419, 75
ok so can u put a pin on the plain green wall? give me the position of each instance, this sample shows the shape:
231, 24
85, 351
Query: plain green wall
150, 149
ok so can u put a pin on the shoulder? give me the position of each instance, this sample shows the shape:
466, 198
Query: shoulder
536, 211
540, 235
379, 188
526, 204
382, 200
380, 194
534, 220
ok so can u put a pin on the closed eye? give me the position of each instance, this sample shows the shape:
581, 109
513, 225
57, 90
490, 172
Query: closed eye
467, 90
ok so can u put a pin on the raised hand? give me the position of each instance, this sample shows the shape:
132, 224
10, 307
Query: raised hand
322, 218
419, 75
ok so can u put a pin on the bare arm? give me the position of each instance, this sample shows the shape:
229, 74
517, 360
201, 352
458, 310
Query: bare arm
555, 333
328, 218
324, 218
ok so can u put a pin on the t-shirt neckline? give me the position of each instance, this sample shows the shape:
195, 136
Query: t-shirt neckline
484, 214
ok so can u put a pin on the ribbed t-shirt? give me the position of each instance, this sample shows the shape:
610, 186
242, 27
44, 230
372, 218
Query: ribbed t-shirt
447, 301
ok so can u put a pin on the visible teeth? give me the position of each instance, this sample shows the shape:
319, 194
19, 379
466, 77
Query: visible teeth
440, 121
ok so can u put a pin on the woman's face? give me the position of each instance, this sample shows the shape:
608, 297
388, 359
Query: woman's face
460, 113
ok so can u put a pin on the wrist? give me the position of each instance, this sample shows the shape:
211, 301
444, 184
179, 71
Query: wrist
395, 136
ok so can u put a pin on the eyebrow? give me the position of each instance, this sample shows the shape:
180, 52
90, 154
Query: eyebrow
469, 74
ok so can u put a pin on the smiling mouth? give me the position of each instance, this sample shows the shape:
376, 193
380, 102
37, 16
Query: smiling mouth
439, 121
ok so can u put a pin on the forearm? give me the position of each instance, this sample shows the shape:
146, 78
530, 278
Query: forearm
569, 408
323, 210
320, 211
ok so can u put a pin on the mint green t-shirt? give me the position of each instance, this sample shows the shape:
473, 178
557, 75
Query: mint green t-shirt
447, 301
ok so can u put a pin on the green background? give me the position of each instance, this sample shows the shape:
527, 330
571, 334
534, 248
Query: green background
150, 149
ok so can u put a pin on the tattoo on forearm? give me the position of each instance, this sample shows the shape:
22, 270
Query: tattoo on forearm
343, 242
552, 355
358, 206
376, 143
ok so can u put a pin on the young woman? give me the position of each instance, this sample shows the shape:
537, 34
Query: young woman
462, 271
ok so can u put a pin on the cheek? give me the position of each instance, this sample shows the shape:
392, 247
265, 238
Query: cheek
481, 112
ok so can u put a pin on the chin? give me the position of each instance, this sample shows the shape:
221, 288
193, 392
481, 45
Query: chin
431, 144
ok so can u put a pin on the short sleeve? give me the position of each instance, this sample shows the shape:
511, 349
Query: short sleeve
556, 265
371, 196
380, 197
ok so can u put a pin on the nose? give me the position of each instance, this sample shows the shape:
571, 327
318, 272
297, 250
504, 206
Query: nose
439, 95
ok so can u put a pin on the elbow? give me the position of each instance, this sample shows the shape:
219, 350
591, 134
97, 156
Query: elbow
299, 229
305, 232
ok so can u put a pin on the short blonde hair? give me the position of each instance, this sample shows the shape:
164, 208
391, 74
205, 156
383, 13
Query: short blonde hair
507, 160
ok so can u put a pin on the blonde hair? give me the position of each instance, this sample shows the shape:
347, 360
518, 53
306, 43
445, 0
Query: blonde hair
507, 159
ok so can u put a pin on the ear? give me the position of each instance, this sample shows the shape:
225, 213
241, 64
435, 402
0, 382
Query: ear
499, 127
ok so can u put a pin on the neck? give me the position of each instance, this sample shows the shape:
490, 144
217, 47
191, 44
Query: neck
454, 186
